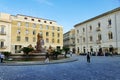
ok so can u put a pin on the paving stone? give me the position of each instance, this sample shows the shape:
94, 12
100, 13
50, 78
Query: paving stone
100, 68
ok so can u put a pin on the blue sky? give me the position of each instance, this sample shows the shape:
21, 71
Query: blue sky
66, 12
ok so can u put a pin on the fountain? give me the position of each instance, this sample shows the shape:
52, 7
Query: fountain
39, 43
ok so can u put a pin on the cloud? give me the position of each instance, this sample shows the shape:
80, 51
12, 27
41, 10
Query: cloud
45, 2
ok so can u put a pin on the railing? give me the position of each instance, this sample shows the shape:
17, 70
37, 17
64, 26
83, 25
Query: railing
98, 29
2, 33
98, 41
3, 47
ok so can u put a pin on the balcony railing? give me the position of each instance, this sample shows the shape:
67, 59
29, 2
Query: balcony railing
98, 41
98, 29
2, 33
3, 47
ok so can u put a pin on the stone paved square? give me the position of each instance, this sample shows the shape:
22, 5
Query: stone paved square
100, 68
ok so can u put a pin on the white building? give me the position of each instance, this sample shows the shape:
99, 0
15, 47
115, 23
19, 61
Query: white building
5, 32
100, 33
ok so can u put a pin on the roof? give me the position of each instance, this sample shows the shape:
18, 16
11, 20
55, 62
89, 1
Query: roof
114, 10
34, 17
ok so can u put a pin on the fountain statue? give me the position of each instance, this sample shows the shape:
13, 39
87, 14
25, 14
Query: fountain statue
39, 43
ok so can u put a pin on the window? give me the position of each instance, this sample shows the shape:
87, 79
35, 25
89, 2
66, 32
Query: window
39, 20
32, 19
34, 39
2, 29
34, 32
58, 35
77, 31
50, 22
1, 44
91, 39
26, 39
18, 31
110, 35
19, 24
99, 25
90, 28
47, 27
47, 40
109, 22
99, 37
41, 27
52, 40
47, 34
77, 40
83, 29
83, 39
27, 24
53, 34
41, 33
45, 21
26, 32
58, 29
53, 27
34, 25
58, 41
18, 38
25, 18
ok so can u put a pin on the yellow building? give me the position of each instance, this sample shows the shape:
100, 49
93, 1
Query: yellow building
24, 30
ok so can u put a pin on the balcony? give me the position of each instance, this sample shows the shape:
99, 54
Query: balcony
2, 33
98, 41
98, 29
3, 47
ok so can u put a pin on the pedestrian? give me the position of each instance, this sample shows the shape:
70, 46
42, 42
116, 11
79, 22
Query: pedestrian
47, 58
71, 53
88, 57
2, 57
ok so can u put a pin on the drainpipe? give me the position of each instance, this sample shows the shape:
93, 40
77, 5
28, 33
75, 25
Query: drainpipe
116, 31
87, 37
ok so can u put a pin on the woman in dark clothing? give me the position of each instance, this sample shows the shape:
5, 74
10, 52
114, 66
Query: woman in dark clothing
88, 57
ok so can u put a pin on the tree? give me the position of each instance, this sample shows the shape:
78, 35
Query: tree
56, 53
7, 54
66, 49
26, 50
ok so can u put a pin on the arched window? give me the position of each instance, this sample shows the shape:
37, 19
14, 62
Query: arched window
83, 39
99, 37
110, 35
90, 28
83, 29
109, 22
91, 39
99, 24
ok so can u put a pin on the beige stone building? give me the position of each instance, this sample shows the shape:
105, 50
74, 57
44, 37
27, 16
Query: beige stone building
69, 39
24, 29
5, 32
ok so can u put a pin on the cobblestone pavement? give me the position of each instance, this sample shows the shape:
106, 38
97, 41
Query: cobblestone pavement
100, 68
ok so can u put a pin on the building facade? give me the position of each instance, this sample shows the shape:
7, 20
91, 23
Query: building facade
24, 30
5, 32
69, 40
100, 33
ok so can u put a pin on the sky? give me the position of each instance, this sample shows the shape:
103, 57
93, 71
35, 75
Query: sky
66, 13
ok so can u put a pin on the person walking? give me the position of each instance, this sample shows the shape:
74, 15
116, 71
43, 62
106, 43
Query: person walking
2, 57
88, 57
47, 58
71, 53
